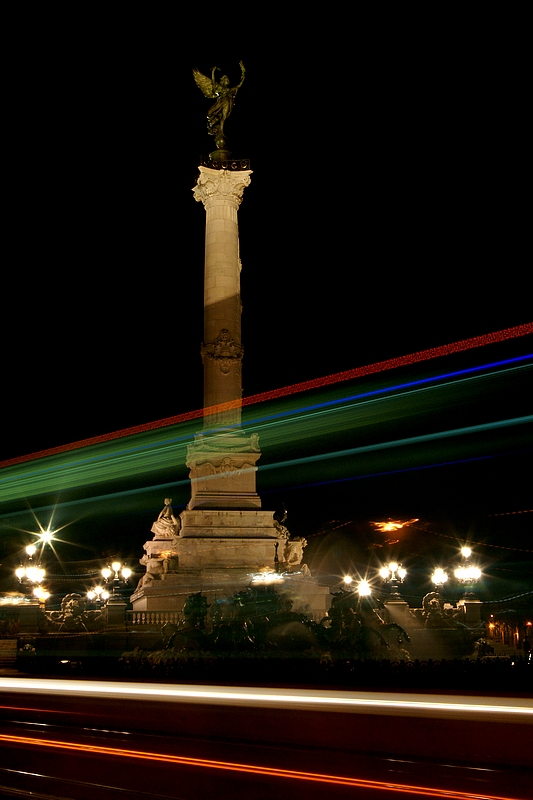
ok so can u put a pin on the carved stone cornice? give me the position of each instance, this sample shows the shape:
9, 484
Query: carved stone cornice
219, 184
224, 351
223, 443
233, 164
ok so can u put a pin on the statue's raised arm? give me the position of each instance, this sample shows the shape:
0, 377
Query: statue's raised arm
223, 105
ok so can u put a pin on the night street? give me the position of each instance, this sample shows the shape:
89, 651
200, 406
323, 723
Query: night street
63, 739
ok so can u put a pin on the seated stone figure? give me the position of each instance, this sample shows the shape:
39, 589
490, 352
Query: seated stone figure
293, 554
166, 525
155, 569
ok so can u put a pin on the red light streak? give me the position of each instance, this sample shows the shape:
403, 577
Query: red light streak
273, 772
359, 372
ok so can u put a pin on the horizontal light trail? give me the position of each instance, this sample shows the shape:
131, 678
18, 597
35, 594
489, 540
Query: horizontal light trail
395, 363
517, 709
157, 451
381, 474
89, 502
388, 390
309, 411
95, 499
409, 441
254, 769
359, 372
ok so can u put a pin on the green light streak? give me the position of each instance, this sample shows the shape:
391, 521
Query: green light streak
430, 437
156, 454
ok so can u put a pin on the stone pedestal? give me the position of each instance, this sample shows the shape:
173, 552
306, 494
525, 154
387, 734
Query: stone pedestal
29, 616
472, 609
116, 612
223, 471
398, 610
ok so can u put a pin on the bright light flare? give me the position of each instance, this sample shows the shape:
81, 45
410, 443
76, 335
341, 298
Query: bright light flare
41, 594
466, 552
439, 577
392, 571
364, 589
393, 524
35, 574
267, 577
467, 574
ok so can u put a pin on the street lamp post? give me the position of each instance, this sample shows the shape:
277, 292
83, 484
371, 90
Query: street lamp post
121, 575
98, 595
468, 575
394, 574
30, 575
439, 578
116, 605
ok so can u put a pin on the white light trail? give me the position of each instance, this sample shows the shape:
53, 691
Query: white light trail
515, 709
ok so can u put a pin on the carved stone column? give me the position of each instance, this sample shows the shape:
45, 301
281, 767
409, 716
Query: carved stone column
221, 192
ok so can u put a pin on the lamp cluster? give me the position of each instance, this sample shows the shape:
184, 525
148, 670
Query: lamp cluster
32, 576
394, 574
117, 572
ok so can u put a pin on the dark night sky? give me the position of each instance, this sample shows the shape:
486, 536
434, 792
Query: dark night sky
384, 217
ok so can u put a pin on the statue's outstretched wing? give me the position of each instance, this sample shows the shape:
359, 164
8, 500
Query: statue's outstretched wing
204, 83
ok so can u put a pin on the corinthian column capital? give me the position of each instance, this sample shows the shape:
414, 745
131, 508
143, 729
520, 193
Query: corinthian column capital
215, 185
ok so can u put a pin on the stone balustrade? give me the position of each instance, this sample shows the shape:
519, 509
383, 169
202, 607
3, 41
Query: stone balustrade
154, 619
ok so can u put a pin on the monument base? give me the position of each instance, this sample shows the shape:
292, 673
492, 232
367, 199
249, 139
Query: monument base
220, 552
169, 593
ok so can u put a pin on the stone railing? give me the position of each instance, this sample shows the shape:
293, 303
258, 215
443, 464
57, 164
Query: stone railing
153, 619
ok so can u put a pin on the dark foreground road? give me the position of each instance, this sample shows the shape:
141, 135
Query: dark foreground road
103, 739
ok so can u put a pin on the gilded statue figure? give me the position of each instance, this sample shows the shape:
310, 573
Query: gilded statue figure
223, 105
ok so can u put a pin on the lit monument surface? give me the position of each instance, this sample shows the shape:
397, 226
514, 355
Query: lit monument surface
223, 538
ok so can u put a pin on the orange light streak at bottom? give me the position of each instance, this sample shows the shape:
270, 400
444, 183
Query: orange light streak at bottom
273, 772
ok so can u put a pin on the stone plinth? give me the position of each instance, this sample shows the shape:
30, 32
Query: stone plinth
29, 615
116, 611
239, 539
223, 471
398, 610
472, 609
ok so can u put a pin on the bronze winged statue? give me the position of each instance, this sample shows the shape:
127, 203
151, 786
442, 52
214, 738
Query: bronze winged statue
223, 105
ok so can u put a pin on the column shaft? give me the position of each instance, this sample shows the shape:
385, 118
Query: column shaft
221, 192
